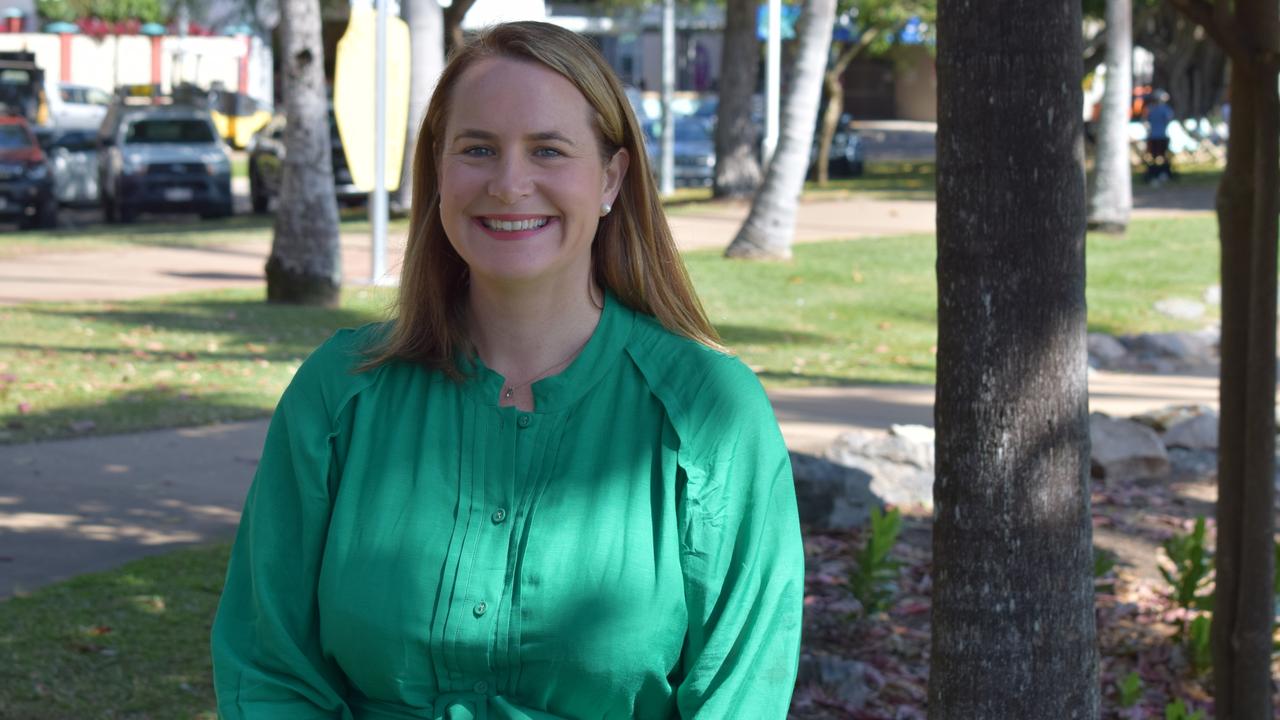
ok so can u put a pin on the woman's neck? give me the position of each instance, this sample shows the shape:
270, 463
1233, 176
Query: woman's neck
524, 336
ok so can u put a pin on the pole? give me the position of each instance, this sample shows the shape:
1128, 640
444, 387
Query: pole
773, 80
378, 208
667, 172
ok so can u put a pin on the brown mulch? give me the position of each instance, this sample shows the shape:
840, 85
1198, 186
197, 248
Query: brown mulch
1137, 623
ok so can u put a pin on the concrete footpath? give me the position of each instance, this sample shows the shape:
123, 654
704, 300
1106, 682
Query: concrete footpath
83, 505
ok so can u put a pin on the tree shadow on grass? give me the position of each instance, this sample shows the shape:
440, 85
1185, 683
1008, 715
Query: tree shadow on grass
733, 335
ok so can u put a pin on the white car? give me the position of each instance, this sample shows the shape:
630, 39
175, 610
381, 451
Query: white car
77, 107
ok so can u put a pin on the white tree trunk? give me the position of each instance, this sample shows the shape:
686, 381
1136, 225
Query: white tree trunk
771, 225
426, 44
1111, 199
305, 266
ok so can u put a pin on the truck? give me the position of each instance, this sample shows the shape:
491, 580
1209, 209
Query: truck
22, 87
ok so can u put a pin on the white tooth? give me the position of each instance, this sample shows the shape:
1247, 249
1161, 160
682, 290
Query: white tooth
516, 225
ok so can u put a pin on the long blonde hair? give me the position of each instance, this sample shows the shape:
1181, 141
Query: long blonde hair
633, 254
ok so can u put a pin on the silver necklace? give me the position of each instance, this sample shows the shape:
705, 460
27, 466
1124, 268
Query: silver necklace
510, 390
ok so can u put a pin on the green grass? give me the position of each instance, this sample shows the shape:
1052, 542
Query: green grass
130, 643
840, 313
163, 232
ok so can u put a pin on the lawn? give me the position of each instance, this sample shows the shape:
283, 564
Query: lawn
841, 313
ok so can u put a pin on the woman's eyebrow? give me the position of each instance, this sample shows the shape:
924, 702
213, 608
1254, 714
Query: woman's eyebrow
474, 134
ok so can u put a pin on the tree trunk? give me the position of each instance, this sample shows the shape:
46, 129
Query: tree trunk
426, 44
305, 266
453, 15
1013, 618
1111, 199
833, 82
737, 140
1247, 211
771, 225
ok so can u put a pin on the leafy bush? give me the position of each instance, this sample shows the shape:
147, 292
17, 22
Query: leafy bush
874, 581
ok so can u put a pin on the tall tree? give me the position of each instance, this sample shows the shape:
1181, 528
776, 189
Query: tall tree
879, 21
1013, 618
1248, 206
305, 266
737, 171
426, 47
771, 224
453, 15
1111, 199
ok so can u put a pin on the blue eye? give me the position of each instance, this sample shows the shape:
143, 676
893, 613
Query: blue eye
477, 151
547, 152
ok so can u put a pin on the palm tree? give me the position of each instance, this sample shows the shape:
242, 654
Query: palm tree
769, 228
1111, 198
305, 266
426, 45
737, 171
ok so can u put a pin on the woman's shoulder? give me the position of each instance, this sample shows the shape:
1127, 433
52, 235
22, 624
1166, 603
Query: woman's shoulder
696, 383
332, 372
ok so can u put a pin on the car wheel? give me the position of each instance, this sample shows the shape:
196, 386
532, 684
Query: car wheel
108, 208
221, 210
855, 170
48, 215
127, 213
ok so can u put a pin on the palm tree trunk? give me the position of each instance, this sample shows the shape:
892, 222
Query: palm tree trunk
305, 266
771, 225
1013, 612
426, 45
1111, 199
737, 170
833, 82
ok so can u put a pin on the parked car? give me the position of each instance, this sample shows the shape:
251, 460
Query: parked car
77, 107
266, 165
26, 184
845, 157
162, 158
73, 158
695, 150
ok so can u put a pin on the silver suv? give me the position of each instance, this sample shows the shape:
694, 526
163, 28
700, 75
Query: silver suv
162, 158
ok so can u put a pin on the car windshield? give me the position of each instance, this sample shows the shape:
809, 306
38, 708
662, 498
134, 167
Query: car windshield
13, 137
687, 130
170, 131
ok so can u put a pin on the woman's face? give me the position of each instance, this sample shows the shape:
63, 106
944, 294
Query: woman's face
521, 178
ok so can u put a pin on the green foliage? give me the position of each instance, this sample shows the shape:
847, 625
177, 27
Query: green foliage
1180, 711
1191, 568
1199, 645
874, 581
884, 18
59, 10
117, 10
1104, 561
1130, 690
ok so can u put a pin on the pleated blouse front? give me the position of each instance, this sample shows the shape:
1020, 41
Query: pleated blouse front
409, 549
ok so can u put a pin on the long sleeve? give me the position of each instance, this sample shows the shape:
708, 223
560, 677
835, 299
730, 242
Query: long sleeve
267, 656
743, 559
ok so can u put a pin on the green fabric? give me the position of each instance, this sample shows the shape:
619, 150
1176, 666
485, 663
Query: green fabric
409, 549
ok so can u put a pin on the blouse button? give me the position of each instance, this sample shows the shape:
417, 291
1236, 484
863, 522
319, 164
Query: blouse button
524, 421
499, 515
479, 608
480, 687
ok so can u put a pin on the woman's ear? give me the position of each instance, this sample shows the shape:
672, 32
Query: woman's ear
614, 172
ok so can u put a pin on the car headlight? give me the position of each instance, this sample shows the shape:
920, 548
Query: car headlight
133, 165
38, 172
217, 164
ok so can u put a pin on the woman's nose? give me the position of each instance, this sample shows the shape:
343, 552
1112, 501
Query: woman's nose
511, 181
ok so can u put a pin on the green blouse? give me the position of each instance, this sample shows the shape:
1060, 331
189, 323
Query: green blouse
409, 549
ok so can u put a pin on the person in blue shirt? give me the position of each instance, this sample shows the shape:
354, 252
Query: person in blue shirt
1159, 116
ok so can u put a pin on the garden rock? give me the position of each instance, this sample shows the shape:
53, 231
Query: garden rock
1166, 417
900, 463
1180, 308
1192, 465
1213, 295
847, 679
1195, 433
831, 496
1125, 450
1105, 350
1184, 347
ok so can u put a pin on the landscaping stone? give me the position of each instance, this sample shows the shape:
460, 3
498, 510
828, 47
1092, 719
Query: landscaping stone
1213, 295
1196, 433
1105, 349
1185, 347
831, 496
847, 679
1180, 308
1166, 417
1125, 450
1192, 465
900, 463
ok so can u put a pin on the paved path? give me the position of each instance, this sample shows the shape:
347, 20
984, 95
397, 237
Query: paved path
76, 506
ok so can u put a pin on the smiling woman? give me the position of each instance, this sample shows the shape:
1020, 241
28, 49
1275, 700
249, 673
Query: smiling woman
542, 490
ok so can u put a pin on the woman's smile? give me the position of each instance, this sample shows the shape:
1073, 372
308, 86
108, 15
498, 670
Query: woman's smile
515, 227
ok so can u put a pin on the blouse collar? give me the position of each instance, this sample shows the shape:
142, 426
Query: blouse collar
559, 391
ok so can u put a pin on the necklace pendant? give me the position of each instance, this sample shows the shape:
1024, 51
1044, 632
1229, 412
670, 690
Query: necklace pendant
508, 392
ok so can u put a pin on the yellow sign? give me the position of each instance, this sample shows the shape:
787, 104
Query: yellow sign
354, 95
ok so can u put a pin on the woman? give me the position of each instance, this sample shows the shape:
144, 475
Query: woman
542, 491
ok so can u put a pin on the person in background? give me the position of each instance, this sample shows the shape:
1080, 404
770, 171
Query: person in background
543, 490
1159, 115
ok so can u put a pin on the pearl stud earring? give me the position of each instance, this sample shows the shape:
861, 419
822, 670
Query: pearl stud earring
605, 208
